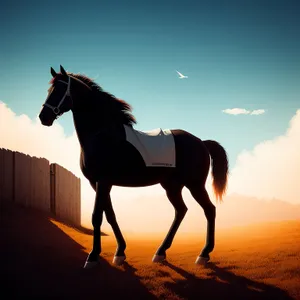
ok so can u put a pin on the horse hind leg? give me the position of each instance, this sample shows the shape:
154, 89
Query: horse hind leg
174, 195
201, 196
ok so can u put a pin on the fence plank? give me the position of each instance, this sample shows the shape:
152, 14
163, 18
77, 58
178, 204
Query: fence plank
6, 175
2, 172
19, 183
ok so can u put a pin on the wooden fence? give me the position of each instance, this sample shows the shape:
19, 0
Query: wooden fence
33, 182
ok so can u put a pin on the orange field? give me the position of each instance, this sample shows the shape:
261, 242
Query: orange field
42, 258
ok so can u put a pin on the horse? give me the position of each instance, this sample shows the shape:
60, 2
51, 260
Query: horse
107, 159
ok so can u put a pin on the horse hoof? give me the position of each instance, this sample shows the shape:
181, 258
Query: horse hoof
118, 260
158, 258
201, 260
90, 264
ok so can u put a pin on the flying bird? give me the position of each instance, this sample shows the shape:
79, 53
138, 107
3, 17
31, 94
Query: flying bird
181, 76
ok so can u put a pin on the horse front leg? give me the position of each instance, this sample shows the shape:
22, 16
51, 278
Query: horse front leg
102, 195
111, 219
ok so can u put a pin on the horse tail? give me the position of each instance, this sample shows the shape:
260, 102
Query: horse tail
219, 167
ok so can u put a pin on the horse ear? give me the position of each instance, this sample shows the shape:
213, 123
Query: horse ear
62, 70
53, 73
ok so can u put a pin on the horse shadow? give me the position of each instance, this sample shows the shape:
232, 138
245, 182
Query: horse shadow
40, 261
223, 284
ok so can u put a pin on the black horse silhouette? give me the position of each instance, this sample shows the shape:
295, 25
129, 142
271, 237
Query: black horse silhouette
107, 159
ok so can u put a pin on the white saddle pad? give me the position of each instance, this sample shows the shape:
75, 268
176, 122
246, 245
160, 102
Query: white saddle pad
157, 146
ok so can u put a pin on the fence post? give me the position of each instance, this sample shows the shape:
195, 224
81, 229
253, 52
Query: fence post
14, 176
52, 189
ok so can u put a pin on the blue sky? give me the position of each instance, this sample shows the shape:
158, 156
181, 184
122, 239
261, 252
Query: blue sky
241, 54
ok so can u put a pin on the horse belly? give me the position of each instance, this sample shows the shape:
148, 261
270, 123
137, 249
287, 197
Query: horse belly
146, 177
121, 167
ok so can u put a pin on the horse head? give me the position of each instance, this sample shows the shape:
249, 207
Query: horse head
59, 99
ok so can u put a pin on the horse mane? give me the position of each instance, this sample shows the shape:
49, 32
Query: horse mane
122, 109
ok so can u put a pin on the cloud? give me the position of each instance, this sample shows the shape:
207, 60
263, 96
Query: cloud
272, 168
258, 112
236, 111
243, 111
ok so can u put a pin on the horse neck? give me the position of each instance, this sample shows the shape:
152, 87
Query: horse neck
90, 121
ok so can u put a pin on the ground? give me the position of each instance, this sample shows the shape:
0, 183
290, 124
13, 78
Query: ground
42, 258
